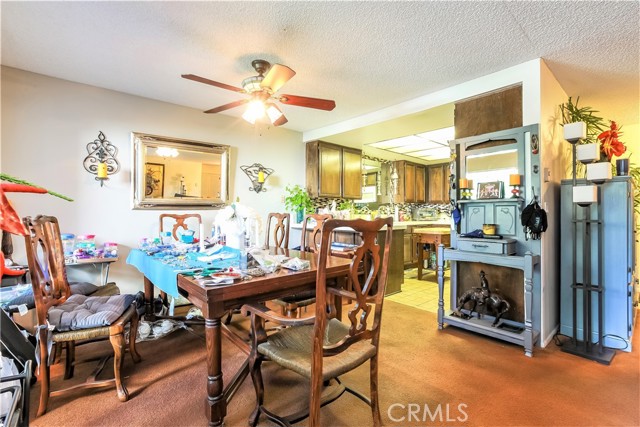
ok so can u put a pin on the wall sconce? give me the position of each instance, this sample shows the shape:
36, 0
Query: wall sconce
258, 174
101, 160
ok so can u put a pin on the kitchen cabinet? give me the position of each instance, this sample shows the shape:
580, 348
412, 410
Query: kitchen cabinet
421, 194
438, 182
333, 170
411, 182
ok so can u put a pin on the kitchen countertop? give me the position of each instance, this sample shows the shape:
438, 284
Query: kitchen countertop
400, 225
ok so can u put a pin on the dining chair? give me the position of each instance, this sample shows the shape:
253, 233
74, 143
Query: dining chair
63, 318
321, 347
291, 304
179, 222
278, 228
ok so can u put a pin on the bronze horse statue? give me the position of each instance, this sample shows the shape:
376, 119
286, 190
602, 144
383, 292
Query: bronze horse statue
483, 296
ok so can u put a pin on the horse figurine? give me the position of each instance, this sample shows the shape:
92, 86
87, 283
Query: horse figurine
483, 296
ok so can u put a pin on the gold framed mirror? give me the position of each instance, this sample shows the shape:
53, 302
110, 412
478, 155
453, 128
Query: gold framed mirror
178, 173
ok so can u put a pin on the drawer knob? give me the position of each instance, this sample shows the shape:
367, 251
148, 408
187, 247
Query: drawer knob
475, 245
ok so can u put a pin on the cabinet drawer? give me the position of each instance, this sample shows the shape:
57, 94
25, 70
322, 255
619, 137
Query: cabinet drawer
499, 247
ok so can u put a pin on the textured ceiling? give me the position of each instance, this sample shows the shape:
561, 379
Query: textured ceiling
365, 55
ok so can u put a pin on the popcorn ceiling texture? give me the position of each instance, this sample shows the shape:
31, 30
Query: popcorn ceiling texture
365, 55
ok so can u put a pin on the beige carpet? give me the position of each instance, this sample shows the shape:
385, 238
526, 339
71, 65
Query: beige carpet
427, 378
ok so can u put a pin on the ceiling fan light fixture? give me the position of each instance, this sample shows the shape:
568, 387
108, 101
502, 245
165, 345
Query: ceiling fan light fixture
254, 111
274, 113
166, 152
252, 84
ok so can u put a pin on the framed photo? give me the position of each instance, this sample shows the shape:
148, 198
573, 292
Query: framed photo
490, 190
154, 180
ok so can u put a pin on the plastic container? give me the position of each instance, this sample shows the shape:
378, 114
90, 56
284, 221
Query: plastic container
68, 243
110, 250
85, 246
167, 238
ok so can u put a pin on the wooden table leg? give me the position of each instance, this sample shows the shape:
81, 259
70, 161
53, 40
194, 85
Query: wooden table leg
215, 403
148, 300
420, 259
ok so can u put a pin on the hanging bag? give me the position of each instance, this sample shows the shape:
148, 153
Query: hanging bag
534, 220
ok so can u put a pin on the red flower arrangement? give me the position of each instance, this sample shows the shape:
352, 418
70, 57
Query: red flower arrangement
610, 145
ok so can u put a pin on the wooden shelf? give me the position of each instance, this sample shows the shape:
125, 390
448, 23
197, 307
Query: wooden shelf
519, 201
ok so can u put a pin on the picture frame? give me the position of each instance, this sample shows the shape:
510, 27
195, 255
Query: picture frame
154, 180
490, 190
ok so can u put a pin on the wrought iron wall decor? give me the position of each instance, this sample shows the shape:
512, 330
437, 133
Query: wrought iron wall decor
101, 160
258, 174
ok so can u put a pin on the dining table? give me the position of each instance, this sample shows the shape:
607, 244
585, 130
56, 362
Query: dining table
215, 301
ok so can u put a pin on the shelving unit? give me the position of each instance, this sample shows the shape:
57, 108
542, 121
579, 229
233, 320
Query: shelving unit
521, 333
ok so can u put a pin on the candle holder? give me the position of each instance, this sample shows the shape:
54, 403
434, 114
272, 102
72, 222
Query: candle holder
514, 182
258, 174
465, 194
101, 160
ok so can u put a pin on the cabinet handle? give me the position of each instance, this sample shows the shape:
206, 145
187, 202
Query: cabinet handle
475, 245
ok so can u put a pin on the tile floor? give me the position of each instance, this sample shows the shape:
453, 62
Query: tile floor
422, 294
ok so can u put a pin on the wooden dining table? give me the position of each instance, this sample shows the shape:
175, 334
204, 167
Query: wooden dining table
216, 301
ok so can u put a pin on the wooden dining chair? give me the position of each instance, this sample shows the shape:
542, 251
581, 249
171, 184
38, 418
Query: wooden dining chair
179, 222
310, 242
74, 317
321, 347
278, 225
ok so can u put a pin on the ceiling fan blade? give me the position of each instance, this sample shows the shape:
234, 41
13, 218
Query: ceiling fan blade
212, 83
276, 77
303, 101
227, 106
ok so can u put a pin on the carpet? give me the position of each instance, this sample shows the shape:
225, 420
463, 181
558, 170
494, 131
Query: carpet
426, 378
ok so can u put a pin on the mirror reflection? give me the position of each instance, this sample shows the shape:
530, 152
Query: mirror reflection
489, 167
171, 172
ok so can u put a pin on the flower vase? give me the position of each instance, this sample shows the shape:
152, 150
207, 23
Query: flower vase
622, 167
299, 215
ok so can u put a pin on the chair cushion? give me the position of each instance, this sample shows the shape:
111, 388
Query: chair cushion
82, 312
291, 348
84, 288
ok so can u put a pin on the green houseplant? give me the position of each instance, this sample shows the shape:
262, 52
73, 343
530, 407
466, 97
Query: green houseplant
297, 200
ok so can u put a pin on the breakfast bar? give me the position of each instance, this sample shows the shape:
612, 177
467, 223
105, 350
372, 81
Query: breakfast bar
434, 236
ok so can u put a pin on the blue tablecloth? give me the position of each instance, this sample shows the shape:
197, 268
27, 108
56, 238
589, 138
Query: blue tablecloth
163, 271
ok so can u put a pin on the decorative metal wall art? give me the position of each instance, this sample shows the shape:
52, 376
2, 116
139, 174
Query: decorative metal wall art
101, 160
258, 174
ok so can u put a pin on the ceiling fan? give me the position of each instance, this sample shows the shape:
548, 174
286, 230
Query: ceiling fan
262, 93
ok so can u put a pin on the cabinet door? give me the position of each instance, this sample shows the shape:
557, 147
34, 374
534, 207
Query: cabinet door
421, 193
408, 247
351, 174
329, 165
409, 183
437, 184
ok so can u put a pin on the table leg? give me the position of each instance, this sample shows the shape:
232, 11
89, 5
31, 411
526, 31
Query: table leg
215, 403
420, 259
148, 299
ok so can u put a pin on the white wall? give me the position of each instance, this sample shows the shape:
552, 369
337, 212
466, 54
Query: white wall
47, 123
527, 74
554, 158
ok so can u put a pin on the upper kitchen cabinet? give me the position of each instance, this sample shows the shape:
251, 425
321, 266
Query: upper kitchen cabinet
333, 170
438, 183
411, 182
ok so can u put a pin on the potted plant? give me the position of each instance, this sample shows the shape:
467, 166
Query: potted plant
297, 200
